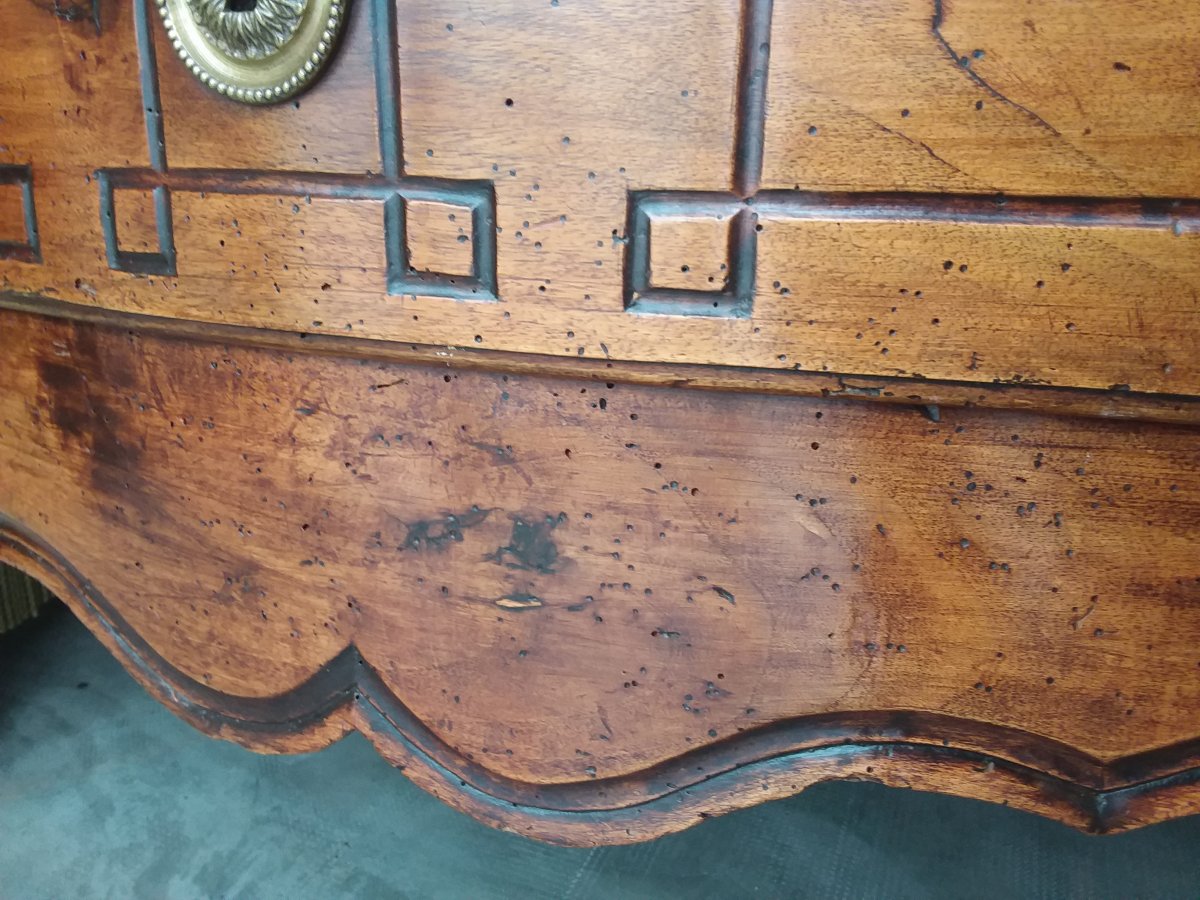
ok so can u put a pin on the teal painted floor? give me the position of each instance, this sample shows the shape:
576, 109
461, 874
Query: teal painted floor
103, 793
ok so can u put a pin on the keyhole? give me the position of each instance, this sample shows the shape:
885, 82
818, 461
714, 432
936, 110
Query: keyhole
240, 5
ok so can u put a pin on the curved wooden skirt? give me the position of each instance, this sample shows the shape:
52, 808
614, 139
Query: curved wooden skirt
598, 604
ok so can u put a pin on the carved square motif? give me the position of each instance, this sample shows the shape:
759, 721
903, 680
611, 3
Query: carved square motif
439, 237
689, 254
18, 221
137, 227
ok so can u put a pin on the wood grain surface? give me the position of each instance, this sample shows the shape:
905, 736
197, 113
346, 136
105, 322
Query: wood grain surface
576, 584
622, 416
988, 129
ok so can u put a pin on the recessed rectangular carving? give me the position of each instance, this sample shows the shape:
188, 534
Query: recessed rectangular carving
138, 236
459, 265
419, 260
18, 219
689, 254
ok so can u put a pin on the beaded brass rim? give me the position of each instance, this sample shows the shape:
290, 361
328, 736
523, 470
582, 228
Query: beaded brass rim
254, 51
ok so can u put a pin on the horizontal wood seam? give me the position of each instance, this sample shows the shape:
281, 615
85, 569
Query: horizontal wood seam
927, 395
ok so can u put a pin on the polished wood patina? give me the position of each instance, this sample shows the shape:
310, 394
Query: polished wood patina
625, 414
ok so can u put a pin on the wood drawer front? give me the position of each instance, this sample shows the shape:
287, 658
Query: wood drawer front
970, 191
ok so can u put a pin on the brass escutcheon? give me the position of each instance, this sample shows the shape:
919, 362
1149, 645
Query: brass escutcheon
254, 51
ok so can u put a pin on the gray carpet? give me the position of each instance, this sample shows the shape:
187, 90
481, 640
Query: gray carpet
105, 794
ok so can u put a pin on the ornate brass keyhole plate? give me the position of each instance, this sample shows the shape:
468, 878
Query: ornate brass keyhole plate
254, 51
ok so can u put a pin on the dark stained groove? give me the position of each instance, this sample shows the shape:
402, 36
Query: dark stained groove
30, 212
324, 185
636, 271
395, 241
796, 740
387, 86
484, 257
1181, 215
1043, 399
743, 260
164, 228
637, 820
753, 68
148, 71
30, 250
1059, 771
963, 63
